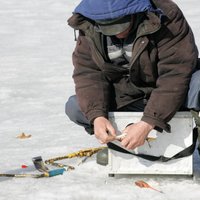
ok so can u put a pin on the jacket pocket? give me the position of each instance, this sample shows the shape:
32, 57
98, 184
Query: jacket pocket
126, 88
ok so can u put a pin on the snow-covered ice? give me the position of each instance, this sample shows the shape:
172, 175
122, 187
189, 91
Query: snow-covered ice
35, 81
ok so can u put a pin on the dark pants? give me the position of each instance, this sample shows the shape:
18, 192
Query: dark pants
74, 113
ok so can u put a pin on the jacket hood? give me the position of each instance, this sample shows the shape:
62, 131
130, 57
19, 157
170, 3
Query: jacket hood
110, 9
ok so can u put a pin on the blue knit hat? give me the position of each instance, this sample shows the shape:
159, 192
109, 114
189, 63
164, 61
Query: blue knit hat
111, 9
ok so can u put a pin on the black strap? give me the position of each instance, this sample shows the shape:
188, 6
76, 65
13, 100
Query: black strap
185, 152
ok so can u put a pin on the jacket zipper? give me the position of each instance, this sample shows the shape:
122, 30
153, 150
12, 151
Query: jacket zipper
143, 42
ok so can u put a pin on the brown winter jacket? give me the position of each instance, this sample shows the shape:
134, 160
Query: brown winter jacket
163, 57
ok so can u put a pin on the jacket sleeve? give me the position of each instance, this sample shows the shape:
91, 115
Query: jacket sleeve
92, 89
177, 56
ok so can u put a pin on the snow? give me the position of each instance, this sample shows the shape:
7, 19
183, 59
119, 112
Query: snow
35, 82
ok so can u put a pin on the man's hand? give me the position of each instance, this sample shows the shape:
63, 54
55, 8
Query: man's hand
136, 134
103, 130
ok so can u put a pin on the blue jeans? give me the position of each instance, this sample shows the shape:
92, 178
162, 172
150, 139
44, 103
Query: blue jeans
74, 113
193, 97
